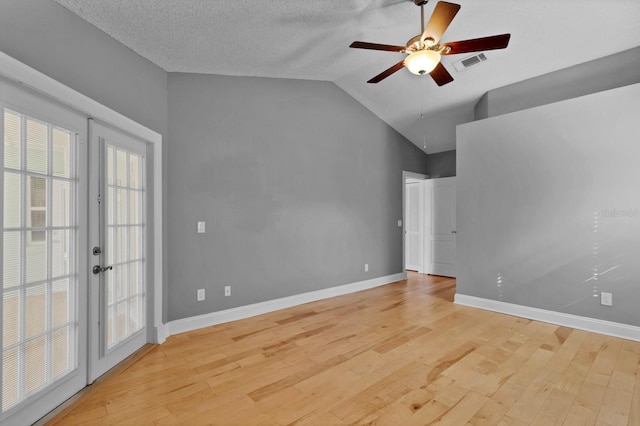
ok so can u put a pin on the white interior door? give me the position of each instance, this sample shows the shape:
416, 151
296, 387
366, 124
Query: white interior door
442, 235
413, 226
43, 250
118, 239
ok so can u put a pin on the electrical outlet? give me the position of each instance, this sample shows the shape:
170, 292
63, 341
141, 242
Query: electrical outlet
227, 290
201, 227
606, 299
366, 267
200, 295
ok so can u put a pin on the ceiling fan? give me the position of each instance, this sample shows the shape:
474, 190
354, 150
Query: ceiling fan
424, 50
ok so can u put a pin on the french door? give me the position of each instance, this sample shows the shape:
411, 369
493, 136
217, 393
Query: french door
117, 202
72, 249
44, 288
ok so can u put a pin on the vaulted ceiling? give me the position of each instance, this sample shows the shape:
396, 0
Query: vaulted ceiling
309, 39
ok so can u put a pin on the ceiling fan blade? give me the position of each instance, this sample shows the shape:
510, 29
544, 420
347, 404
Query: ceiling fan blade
376, 46
478, 44
442, 16
386, 73
440, 75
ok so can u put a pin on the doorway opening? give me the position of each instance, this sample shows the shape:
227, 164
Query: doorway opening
429, 234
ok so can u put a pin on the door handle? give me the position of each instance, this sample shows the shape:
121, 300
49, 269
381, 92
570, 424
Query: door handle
97, 269
453, 232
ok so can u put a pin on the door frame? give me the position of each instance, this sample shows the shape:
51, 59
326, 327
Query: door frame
21, 73
102, 359
428, 223
406, 175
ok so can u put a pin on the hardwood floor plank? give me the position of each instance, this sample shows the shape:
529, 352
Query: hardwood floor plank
294, 378
617, 401
317, 395
461, 412
399, 354
604, 363
587, 404
634, 411
89, 415
428, 413
495, 408
554, 409
381, 393
400, 411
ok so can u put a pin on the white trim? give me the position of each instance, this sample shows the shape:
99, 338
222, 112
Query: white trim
159, 335
413, 175
609, 328
35, 80
21, 73
242, 312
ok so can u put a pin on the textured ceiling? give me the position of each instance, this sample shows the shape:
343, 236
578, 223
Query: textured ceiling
309, 39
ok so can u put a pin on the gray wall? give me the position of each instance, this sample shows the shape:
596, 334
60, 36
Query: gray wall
298, 183
441, 164
609, 72
49, 38
618, 70
548, 201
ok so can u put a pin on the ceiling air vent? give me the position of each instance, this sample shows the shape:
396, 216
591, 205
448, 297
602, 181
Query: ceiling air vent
465, 63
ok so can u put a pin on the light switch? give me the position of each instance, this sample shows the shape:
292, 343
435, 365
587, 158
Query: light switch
399, 224
200, 227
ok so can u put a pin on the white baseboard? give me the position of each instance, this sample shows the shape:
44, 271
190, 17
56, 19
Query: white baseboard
160, 334
574, 321
242, 312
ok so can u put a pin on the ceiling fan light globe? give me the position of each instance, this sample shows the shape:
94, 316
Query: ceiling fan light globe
422, 61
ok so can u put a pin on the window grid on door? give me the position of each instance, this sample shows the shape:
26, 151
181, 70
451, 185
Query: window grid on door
125, 244
39, 281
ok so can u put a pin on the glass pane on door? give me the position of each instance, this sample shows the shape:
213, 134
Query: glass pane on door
40, 278
124, 217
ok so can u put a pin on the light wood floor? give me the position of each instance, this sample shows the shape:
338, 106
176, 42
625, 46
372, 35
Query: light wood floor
401, 354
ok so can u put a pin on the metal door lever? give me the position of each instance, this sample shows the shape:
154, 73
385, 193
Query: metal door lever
97, 269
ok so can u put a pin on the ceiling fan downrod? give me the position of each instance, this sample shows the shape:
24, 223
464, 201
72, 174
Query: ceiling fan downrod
421, 3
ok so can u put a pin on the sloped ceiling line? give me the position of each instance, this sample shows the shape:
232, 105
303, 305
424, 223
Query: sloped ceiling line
309, 39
